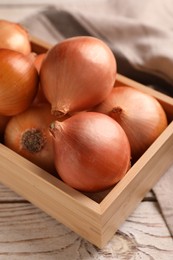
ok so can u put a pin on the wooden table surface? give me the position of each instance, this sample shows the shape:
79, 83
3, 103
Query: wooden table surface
26, 232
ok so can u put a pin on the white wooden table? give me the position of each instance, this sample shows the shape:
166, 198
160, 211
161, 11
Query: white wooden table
28, 233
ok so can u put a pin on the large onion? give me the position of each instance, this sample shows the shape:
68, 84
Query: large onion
77, 74
140, 115
18, 82
92, 151
13, 36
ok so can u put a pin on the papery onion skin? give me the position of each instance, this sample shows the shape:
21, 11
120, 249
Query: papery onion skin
92, 151
77, 73
18, 82
14, 37
140, 115
20, 131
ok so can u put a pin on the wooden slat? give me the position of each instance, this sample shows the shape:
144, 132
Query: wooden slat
164, 193
7, 195
28, 233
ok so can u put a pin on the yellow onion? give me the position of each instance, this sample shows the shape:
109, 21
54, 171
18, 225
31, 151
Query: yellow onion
18, 82
28, 135
140, 115
14, 36
92, 151
77, 74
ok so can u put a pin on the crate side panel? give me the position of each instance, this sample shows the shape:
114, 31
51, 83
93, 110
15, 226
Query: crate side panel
125, 197
68, 206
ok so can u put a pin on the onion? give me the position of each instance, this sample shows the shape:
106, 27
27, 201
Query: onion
13, 36
92, 151
28, 135
77, 73
140, 115
18, 82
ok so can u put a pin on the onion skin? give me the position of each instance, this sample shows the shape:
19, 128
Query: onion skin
77, 74
18, 82
140, 115
36, 118
92, 151
14, 37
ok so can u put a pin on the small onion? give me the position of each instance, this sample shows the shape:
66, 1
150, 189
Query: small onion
140, 115
13, 36
92, 151
28, 135
18, 82
77, 73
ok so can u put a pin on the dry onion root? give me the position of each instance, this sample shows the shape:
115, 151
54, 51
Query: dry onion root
77, 74
92, 151
140, 115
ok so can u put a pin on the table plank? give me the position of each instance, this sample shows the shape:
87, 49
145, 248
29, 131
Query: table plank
7, 195
165, 197
28, 233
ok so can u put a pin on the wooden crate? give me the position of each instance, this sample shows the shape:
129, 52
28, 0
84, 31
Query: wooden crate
95, 216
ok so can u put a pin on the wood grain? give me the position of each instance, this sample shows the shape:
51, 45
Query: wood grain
166, 197
28, 233
7, 195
